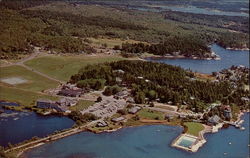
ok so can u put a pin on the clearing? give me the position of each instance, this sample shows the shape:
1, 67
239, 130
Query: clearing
14, 80
63, 67
34, 82
194, 128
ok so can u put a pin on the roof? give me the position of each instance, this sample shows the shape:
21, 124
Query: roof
134, 110
118, 119
214, 119
44, 100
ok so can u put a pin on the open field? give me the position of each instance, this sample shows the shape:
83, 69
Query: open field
194, 128
63, 67
150, 114
81, 105
111, 42
34, 82
20, 96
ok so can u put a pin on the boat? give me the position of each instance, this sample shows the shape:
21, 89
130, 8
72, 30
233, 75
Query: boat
242, 128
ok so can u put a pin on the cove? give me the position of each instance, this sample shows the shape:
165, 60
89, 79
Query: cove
145, 142
228, 58
19, 126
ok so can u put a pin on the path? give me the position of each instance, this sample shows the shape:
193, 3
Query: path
41, 141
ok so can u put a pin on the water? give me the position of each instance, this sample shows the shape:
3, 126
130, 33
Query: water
228, 58
196, 10
145, 142
186, 142
20, 126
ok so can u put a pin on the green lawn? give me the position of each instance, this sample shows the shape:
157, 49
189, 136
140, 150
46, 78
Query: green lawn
81, 105
194, 128
34, 82
22, 97
63, 67
150, 114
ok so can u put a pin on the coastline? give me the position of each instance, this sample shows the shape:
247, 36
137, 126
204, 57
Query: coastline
21, 149
179, 57
240, 49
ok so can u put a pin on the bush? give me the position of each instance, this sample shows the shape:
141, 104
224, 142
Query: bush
122, 112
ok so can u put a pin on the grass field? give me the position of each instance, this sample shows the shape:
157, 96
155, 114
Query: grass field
149, 114
111, 42
23, 97
63, 67
34, 82
81, 105
194, 128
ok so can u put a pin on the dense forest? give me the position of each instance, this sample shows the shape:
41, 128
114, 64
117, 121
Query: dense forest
230, 22
63, 27
186, 46
164, 82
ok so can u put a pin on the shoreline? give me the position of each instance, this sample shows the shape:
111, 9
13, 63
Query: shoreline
21, 149
239, 49
179, 57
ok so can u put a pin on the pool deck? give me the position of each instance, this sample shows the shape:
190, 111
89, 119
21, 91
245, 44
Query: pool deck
199, 141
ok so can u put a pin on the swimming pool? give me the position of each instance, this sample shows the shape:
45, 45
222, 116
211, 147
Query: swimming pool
186, 142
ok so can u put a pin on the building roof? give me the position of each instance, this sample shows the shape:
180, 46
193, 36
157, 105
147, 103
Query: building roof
118, 119
214, 119
134, 110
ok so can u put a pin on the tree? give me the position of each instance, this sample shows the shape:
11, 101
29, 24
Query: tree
152, 95
140, 98
99, 99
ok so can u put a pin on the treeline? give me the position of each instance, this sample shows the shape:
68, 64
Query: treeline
229, 40
79, 20
162, 82
21, 4
219, 21
19, 34
187, 46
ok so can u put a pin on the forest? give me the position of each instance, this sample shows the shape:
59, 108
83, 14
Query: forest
155, 81
230, 22
63, 28
186, 46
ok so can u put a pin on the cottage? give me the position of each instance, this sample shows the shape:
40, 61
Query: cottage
134, 110
227, 112
130, 100
214, 120
101, 124
118, 119
182, 116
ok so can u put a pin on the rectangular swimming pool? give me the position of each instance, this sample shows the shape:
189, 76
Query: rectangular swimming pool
186, 141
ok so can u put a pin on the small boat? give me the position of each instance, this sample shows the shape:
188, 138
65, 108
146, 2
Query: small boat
242, 128
229, 143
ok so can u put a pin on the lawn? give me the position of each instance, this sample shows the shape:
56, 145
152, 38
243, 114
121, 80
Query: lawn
194, 128
150, 114
81, 105
22, 97
34, 82
63, 67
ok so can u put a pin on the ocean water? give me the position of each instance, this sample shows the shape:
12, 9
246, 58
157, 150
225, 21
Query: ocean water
145, 142
228, 58
25, 125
